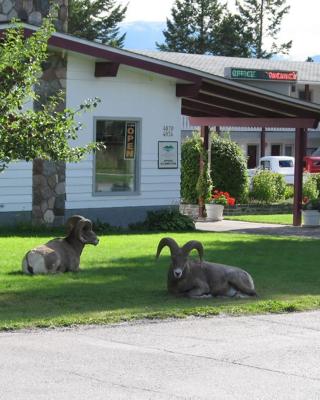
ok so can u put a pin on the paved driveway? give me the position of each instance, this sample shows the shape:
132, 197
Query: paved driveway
258, 228
250, 358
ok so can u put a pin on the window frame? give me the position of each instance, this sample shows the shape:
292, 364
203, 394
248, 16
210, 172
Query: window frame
292, 150
137, 160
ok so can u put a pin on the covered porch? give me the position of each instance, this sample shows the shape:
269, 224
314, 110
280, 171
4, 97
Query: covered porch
237, 105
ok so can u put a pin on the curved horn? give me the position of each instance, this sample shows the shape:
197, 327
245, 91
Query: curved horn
171, 243
72, 222
79, 228
193, 244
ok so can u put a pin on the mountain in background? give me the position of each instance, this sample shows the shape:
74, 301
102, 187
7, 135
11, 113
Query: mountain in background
142, 35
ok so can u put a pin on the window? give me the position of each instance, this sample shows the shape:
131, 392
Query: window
285, 163
314, 151
252, 153
305, 95
116, 165
276, 149
288, 150
265, 165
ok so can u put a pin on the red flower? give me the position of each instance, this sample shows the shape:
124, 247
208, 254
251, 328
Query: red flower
224, 198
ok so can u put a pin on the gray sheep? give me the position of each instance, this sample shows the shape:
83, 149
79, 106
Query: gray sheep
201, 279
61, 255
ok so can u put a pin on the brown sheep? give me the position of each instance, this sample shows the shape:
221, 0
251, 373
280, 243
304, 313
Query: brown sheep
201, 279
61, 255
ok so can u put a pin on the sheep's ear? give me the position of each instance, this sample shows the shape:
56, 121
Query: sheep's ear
171, 243
193, 244
72, 222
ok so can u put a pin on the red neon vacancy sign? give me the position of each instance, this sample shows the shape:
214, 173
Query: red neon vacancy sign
260, 74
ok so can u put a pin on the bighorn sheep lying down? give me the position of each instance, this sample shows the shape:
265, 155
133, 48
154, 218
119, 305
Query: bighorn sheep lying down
201, 279
61, 255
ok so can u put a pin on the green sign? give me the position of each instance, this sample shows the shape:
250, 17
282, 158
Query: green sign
260, 74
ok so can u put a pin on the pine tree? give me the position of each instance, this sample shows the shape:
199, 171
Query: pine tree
309, 59
262, 20
97, 20
201, 27
231, 38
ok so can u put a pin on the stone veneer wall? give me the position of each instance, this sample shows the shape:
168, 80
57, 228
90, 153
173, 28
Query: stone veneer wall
49, 191
241, 209
32, 11
258, 209
49, 178
48, 188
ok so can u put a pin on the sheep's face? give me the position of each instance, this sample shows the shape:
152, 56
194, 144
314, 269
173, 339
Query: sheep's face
179, 265
88, 236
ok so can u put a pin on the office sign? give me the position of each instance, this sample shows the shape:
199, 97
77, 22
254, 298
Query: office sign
260, 74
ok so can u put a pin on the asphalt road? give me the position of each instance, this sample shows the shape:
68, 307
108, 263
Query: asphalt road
252, 358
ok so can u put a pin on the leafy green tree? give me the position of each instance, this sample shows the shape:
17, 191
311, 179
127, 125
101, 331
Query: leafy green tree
24, 133
203, 27
262, 20
97, 20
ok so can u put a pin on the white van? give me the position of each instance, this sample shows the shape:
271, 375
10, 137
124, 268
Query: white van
282, 164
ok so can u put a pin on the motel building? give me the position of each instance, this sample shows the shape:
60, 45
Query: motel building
269, 107
299, 80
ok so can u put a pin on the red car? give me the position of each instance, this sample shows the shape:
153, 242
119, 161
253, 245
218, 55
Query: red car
312, 163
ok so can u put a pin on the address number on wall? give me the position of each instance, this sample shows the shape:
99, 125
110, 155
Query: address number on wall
167, 130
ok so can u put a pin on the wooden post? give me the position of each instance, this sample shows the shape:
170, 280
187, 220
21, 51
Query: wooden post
263, 142
298, 175
204, 133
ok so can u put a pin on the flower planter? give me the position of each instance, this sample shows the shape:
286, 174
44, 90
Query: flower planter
191, 210
311, 217
214, 212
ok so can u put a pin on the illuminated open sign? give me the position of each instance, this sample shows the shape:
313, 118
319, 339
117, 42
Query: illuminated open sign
130, 142
260, 74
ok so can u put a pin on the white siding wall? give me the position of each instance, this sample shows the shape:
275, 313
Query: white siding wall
133, 94
16, 184
16, 187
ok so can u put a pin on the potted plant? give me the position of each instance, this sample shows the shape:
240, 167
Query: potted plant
310, 212
215, 206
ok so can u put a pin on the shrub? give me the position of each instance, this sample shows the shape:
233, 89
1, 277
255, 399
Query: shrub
204, 186
316, 177
190, 160
168, 220
289, 192
268, 187
280, 186
229, 168
310, 190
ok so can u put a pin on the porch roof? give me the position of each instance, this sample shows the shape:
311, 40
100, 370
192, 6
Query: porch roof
202, 94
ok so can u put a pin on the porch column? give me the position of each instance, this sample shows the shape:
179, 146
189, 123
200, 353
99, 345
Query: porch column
307, 97
263, 142
204, 133
298, 175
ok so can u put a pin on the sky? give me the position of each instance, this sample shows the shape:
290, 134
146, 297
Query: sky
301, 25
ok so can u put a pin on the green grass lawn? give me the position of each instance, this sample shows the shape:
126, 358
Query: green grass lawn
121, 280
285, 219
